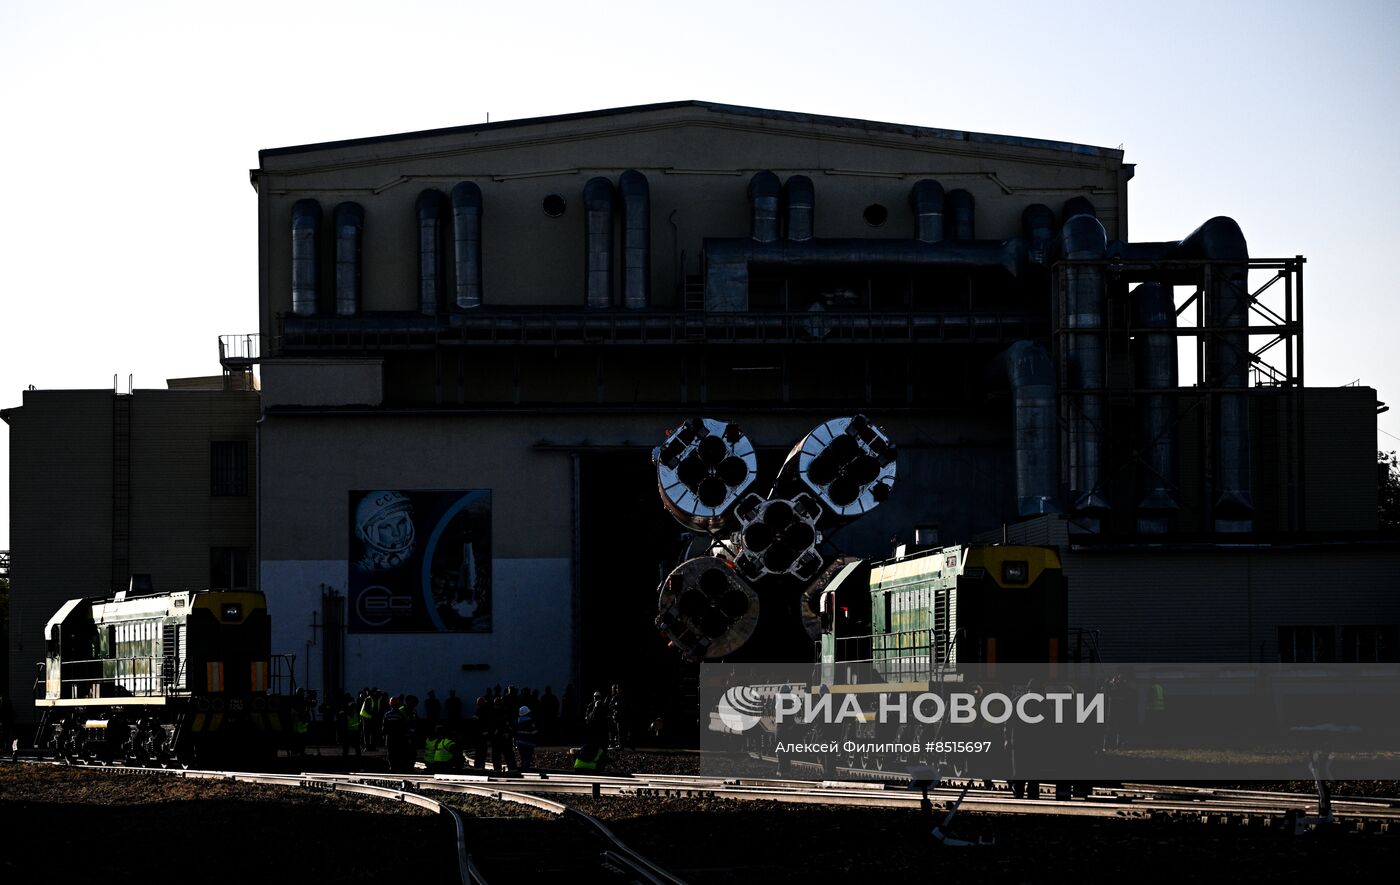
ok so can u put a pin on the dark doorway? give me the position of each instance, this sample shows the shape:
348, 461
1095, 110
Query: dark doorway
627, 544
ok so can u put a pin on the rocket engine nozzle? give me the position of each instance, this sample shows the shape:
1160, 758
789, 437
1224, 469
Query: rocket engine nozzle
847, 463
778, 537
705, 609
701, 470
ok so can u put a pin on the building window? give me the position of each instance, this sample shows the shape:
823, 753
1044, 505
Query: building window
1370, 644
1307, 645
228, 568
228, 468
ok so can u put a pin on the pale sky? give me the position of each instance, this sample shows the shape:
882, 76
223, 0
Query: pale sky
128, 233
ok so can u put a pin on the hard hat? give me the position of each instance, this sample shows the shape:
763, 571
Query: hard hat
524, 711
395, 701
597, 694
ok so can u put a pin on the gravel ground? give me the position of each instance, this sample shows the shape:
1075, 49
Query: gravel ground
720, 840
141, 824
66, 824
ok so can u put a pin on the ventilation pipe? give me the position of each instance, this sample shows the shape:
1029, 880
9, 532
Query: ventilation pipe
636, 239
1078, 206
926, 199
1038, 223
1083, 237
961, 214
801, 200
1227, 353
429, 208
1227, 365
763, 206
466, 243
306, 220
349, 219
1029, 372
1153, 308
598, 220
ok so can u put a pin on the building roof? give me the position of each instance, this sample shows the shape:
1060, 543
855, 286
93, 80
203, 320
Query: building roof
717, 108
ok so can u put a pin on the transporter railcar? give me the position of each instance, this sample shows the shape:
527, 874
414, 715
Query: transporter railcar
161, 678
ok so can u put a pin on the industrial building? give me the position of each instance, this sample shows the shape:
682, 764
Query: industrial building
471, 339
104, 485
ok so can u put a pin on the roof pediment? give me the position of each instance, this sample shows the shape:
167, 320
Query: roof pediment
615, 122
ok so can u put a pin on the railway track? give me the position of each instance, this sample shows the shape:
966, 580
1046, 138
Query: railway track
560, 841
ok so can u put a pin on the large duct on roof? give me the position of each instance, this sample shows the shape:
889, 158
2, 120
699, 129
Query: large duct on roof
306, 221
801, 199
636, 239
349, 221
466, 244
1153, 308
1038, 225
1078, 206
764, 191
429, 210
1029, 372
961, 215
926, 200
728, 262
1083, 238
1227, 352
598, 234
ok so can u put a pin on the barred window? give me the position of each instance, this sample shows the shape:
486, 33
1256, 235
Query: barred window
228, 568
228, 468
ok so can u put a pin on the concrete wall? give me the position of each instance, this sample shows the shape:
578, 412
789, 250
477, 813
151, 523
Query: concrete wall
312, 461
1203, 603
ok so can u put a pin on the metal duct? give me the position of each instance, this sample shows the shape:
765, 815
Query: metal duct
701, 470
1078, 206
962, 210
728, 261
801, 200
349, 220
598, 233
429, 208
847, 463
1153, 308
705, 609
636, 239
306, 221
764, 191
1083, 237
778, 537
926, 199
1227, 365
1038, 223
466, 243
1227, 353
1029, 372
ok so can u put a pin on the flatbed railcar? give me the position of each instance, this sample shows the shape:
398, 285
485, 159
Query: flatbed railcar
162, 677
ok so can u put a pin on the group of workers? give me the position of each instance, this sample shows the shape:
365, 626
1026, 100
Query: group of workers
502, 728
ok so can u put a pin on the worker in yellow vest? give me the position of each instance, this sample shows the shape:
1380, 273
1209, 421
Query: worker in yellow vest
590, 757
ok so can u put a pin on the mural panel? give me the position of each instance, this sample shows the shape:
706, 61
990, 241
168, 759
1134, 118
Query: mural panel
420, 561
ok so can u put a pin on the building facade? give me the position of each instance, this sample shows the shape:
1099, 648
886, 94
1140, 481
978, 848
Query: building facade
106, 485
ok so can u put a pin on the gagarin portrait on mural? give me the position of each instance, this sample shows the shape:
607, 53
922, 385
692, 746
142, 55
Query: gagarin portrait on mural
420, 560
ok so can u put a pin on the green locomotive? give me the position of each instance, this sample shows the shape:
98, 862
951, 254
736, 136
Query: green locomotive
161, 677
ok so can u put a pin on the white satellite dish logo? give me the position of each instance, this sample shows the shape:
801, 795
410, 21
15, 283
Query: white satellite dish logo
740, 708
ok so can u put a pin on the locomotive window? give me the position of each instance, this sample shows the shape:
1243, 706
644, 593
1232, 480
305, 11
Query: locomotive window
1014, 571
